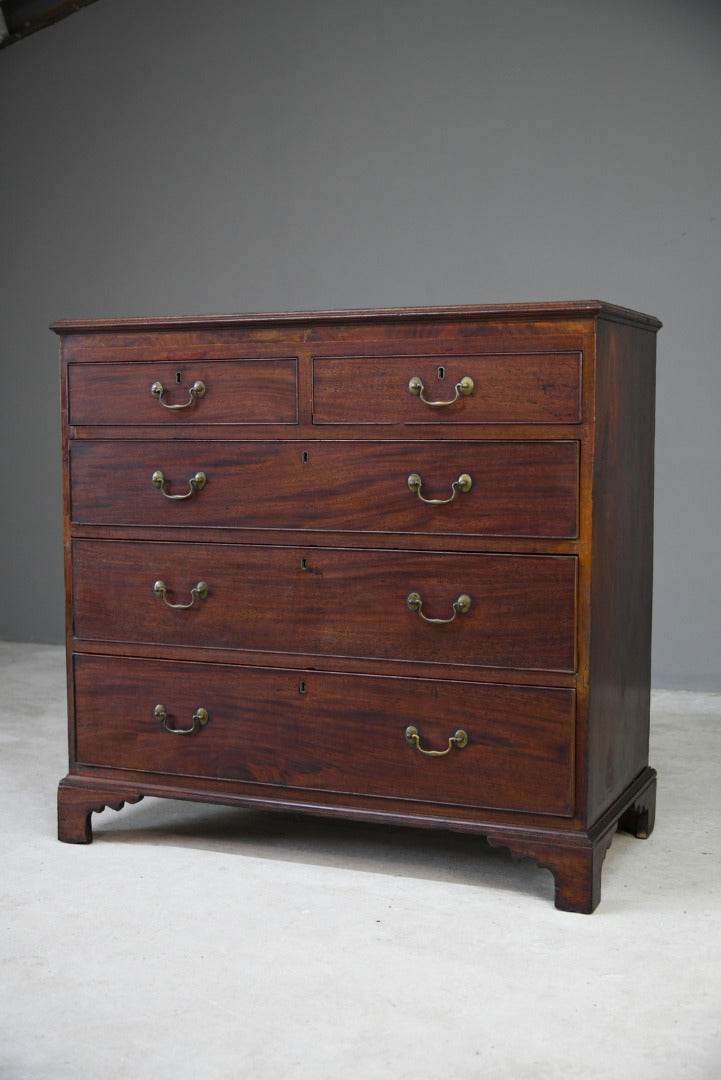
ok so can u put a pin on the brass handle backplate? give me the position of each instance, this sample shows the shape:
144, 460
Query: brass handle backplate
198, 592
461, 606
464, 483
200, 719
459, 740
196, 482
463, 388
197, 390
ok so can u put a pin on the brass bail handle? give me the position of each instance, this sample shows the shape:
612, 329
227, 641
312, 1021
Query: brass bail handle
464, 483
200, 719
459, 740
197, 390
461, 606
198, 592
197, 483
463, 388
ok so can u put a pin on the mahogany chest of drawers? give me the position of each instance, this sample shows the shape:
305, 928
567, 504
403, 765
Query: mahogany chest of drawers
394, 566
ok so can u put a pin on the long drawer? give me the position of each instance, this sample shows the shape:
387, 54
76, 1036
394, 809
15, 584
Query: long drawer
505, 388
181, 392
329, 732
513, 488
324, 601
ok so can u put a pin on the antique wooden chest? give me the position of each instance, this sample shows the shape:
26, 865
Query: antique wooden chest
389, 565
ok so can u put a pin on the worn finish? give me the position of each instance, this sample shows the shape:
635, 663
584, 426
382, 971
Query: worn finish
369, 524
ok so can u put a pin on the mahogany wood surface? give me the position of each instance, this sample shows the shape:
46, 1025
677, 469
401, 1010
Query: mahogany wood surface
519, 488
330, 602
304, 652
620, 652
534, 388
283, 728
249, 391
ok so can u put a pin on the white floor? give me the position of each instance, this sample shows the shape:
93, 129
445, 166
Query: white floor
195, 941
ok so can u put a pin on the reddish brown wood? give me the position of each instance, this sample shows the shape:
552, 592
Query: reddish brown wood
622, 538
520, 488
508, 388
305, 654
245, 392
76, 804
332, 602
332, 733
315, 324
640, 817
575, 864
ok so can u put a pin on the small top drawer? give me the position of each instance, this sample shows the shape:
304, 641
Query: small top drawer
533, 388
256, 391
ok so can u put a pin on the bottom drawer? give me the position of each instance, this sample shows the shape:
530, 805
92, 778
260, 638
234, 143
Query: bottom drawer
329, 732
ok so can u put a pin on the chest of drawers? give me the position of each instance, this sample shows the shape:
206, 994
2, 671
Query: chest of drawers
391, 566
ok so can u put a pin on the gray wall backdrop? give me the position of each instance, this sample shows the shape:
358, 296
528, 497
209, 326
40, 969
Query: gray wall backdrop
170, 157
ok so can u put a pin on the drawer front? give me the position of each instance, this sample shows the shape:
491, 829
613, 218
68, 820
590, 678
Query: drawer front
331, 602
329, 733
538, 388
507, 488
232, 392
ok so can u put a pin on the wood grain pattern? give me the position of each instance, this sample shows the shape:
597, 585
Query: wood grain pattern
239, 392
305, 652
339, 603
339, 733
520, 488
509, 388
620, 653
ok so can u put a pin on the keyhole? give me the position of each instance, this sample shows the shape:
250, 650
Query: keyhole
302, 687
178, 377
304, 457
441, 372
304, 563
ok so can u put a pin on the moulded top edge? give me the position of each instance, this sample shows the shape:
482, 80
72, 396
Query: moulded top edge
548, 309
